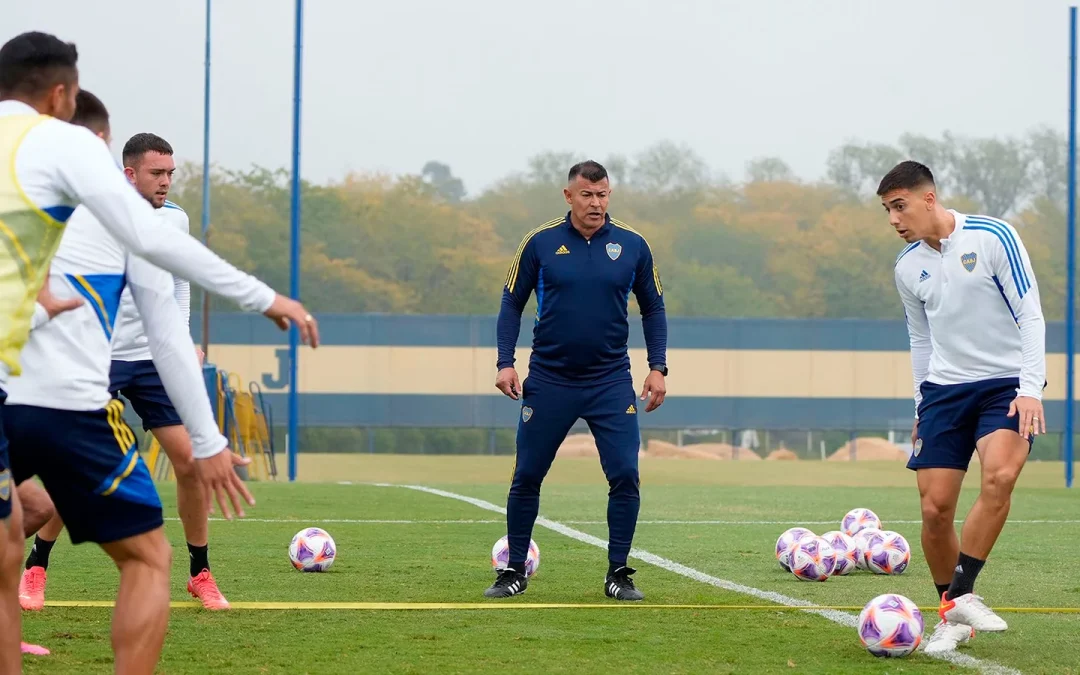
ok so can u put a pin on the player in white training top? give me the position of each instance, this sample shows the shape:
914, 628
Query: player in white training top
149, 166
978, 356
47, 168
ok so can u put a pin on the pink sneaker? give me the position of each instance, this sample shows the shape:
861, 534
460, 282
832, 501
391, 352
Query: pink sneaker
32, 589
35, 650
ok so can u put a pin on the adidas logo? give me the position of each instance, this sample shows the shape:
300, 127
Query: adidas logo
562, 250
924, 276
631, 410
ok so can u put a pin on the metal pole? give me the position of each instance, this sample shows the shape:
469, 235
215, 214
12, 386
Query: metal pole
206, 183
294, 252
1070, 253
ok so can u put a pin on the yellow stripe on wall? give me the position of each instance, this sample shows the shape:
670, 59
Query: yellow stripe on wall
694, 372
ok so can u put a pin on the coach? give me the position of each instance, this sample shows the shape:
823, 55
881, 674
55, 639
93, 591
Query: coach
582, 267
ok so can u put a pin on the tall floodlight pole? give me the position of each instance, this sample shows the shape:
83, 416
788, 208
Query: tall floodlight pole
1070, 254
294, 252
206, 181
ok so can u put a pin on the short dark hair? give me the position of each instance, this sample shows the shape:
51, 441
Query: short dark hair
32, 63
140, 144
90, 112
907, 175
594, 172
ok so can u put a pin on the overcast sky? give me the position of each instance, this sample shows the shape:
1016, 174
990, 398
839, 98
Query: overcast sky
483, 84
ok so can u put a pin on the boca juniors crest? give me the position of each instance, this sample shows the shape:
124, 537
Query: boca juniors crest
968, 260
614, 250
526, 413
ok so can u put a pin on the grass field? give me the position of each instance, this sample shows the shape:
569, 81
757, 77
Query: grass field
713, 523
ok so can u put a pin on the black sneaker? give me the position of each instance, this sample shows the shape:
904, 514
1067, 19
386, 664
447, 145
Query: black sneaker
509, 582
620, 586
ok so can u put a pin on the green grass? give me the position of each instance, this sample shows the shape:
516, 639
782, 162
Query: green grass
1033, 565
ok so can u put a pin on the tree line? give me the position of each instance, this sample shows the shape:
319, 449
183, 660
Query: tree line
768, 244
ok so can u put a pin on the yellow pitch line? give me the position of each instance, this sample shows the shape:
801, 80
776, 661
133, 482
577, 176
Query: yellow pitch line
399, 606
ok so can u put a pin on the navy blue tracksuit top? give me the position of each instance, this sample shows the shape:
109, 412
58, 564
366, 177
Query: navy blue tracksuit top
582, 289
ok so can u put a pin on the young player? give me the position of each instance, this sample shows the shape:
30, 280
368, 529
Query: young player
149, 166
978, 355
58, 430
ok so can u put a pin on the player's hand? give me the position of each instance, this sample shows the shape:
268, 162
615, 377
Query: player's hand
54, 305
654, 391
218, 476
1032, 419
199, 354
286, 310
508, 383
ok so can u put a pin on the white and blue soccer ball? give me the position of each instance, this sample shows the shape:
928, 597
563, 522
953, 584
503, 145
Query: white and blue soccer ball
890, 626
862, 545
312, 549
888, 553
500, 556
787, 542
812, 559
846, 552
859, 519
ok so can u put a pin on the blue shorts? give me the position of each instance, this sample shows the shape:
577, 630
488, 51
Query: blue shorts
90, 465
7, 485
140, 384
953, 417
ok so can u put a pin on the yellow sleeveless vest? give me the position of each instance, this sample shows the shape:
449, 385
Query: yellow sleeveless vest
29, 238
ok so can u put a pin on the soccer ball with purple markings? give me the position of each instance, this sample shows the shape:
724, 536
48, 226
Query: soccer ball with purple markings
862, 545
891, 626
312, 550
500, 556
786, 542
888, 553
812, 559
845, 552
859, 519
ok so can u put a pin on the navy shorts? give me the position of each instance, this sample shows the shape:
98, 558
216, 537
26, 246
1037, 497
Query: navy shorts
953, 417
140, 384
90, 465
7, 485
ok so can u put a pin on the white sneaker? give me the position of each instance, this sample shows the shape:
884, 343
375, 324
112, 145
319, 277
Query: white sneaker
947, 636
970, 610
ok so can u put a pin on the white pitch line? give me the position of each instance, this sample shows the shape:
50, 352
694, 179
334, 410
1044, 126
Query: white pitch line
842, 618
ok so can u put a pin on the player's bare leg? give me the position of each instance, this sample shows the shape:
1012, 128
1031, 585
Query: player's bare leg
1003, 454
939, 491
11, 547
37, 505
141, 615
193, 505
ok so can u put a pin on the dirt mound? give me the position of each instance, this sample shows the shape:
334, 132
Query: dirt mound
869, 448
578, 445
783, 454
657, 448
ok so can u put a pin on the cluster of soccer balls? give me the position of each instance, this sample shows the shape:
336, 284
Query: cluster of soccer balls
890, 625
860, 543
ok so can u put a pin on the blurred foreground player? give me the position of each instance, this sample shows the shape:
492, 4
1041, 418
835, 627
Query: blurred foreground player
73, 437
149, 166
978, 355
583, 268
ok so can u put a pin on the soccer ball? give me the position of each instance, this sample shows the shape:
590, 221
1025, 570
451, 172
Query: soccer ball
888, 553
500, 556
891, 626
312, 550
845, 549
786, 542
862, 545
812, 559
859, 519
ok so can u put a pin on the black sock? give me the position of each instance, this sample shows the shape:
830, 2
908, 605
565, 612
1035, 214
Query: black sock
39, 554
963, 581
613, 566
941, 588
518, 567
199, 560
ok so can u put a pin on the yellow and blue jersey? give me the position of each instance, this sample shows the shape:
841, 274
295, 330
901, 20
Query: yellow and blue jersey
582, 291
